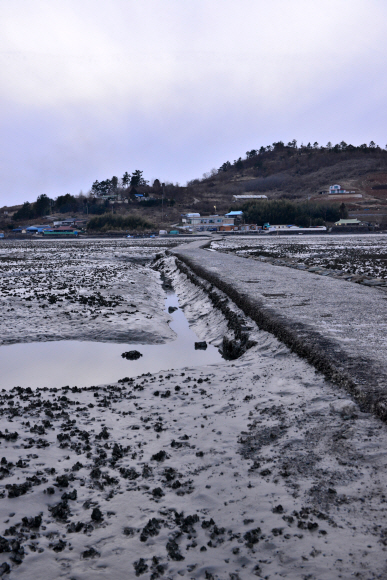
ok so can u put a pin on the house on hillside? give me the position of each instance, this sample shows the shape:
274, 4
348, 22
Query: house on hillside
337, 190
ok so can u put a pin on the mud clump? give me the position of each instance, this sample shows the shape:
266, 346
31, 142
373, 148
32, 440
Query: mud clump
252, 537
131, 355
140, 567
173, 551
90, 553
151, 529
160, 456
96, 515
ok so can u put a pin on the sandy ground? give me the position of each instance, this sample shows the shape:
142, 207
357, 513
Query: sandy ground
255, 467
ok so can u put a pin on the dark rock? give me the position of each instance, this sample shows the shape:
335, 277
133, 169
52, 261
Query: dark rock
207, 524
18, 489
34, 522
62, 481
252, 537
4, 568
157, 492
278, 509
70, 495
90, 553
160, 456
60, 511
130, 473
131, 355
201, 345
96, 515
59, 546
151, 529
140, 567
75, 527
173, 551
104, 434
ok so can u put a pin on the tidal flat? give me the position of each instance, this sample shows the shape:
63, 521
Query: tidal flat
252, 465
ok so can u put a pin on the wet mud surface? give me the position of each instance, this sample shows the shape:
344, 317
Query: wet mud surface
361, 259
338, 326
256, 467
81, 290
252, 468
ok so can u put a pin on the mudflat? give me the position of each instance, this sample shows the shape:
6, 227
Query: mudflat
256, 466
339, 326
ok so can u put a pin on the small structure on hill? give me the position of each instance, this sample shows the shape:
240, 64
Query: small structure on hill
349, 222
337, 190
247, 197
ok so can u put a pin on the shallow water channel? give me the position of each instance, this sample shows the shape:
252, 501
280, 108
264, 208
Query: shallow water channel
86, 363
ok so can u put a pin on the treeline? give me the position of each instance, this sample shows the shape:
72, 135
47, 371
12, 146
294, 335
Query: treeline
64, 204
292, 148
108, 222
134, 180
287, 212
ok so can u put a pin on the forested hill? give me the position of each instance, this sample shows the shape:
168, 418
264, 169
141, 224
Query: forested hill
279, 171
282, 171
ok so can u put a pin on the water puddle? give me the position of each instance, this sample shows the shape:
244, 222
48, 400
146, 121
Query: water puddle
82, 363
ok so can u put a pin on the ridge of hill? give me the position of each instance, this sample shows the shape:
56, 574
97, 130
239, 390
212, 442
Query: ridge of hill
278, 171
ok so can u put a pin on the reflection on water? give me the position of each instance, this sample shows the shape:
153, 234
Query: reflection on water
71, 362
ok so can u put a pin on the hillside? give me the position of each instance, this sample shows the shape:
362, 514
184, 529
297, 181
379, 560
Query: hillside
278, 171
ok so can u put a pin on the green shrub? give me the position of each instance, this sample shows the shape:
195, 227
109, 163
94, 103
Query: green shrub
108, 221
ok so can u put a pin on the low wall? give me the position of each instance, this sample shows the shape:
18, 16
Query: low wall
337, 326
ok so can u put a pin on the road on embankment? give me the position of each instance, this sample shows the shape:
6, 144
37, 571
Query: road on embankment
338, 326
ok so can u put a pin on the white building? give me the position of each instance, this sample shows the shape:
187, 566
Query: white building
196, 222
247, 197
336, 189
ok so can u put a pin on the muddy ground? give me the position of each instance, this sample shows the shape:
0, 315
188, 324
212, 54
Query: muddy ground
358, 255
81, 290
255, 467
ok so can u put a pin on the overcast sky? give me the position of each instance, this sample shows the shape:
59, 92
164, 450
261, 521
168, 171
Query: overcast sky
94, 88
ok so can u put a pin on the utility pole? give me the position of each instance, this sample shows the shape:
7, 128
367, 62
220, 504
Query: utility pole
162, 203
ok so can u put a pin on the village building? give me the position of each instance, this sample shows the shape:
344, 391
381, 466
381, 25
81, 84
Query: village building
247, 197
349, 222
196, 222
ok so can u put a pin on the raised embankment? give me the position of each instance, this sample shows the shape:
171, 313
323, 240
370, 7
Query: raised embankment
339, 327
